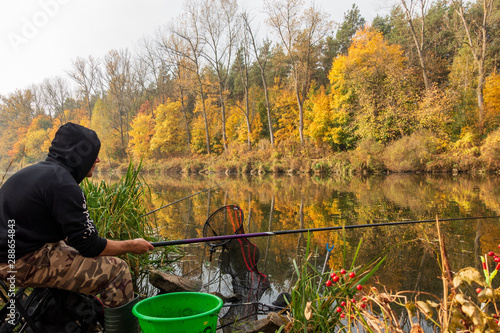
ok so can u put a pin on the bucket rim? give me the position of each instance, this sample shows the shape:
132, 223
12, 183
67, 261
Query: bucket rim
159, 319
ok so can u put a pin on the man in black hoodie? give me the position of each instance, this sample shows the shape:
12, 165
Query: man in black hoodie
46, 236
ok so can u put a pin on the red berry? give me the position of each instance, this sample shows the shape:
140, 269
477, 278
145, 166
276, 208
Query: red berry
497, 259
364, 298
342, 315
363, 305
336, 278
491, 253
333, 275
342, 303
352, 274
359, 287
343, 271
499, 246
329, 283
339, 309
353, 301
478, 290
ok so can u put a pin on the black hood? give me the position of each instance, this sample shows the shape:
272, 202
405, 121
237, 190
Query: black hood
76, 147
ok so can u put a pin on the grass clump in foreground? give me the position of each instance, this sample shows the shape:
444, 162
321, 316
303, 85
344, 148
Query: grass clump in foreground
330, 301
469, 301
118, 211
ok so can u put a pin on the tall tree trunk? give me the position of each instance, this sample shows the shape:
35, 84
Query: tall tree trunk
479, 54
268, 109
186, 120
419, 45
300, 104
223, 116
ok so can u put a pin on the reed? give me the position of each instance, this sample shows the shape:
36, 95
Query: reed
118, 210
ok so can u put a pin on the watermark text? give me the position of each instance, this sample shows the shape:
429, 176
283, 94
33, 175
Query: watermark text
31, 25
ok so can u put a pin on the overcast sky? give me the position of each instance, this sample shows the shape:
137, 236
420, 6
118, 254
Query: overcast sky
40, 38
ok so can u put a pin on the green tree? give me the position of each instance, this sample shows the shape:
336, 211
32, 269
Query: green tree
353, 21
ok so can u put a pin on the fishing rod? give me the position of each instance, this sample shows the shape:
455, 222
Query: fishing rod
189, 196
285, 232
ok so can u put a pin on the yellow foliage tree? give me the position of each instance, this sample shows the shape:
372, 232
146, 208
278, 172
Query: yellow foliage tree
51, 133
328, 124
492, 99
110, 140
142, 129
31, 140
285, 105
78, 116
237, 129
434, 112
373, 83
198, 140
169, 134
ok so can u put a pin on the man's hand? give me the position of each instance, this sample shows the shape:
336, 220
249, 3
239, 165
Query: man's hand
141, 246
136, 246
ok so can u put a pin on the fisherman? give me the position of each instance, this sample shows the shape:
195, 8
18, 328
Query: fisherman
46, 236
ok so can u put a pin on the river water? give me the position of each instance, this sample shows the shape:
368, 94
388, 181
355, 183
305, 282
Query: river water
289, 202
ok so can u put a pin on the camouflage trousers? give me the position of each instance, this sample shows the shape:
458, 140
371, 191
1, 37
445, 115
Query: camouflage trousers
58, 265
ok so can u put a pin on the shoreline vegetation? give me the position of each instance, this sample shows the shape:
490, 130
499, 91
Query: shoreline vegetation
418, 153
413, 154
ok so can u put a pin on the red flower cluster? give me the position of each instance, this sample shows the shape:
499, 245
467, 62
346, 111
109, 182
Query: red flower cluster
496, 258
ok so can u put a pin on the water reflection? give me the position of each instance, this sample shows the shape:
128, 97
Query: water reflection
300, 201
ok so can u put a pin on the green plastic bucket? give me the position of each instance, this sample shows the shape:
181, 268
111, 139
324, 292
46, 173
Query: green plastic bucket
183, 312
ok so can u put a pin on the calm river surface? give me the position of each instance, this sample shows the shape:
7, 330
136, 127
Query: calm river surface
287, 202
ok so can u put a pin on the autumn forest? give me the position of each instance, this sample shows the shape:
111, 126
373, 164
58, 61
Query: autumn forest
416, 90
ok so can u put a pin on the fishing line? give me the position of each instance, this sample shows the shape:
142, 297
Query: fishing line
189, 196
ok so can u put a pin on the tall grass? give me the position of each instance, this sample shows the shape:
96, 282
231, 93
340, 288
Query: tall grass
118, 210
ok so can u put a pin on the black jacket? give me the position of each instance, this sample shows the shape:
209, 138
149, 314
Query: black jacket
43, 203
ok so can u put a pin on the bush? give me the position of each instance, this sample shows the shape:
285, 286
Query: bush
464, 153
490, 151
411, 153
366, 157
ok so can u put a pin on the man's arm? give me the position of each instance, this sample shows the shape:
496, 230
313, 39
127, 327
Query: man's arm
137, 246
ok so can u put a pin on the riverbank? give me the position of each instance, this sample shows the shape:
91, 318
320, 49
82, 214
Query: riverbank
412, 154
418, 153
